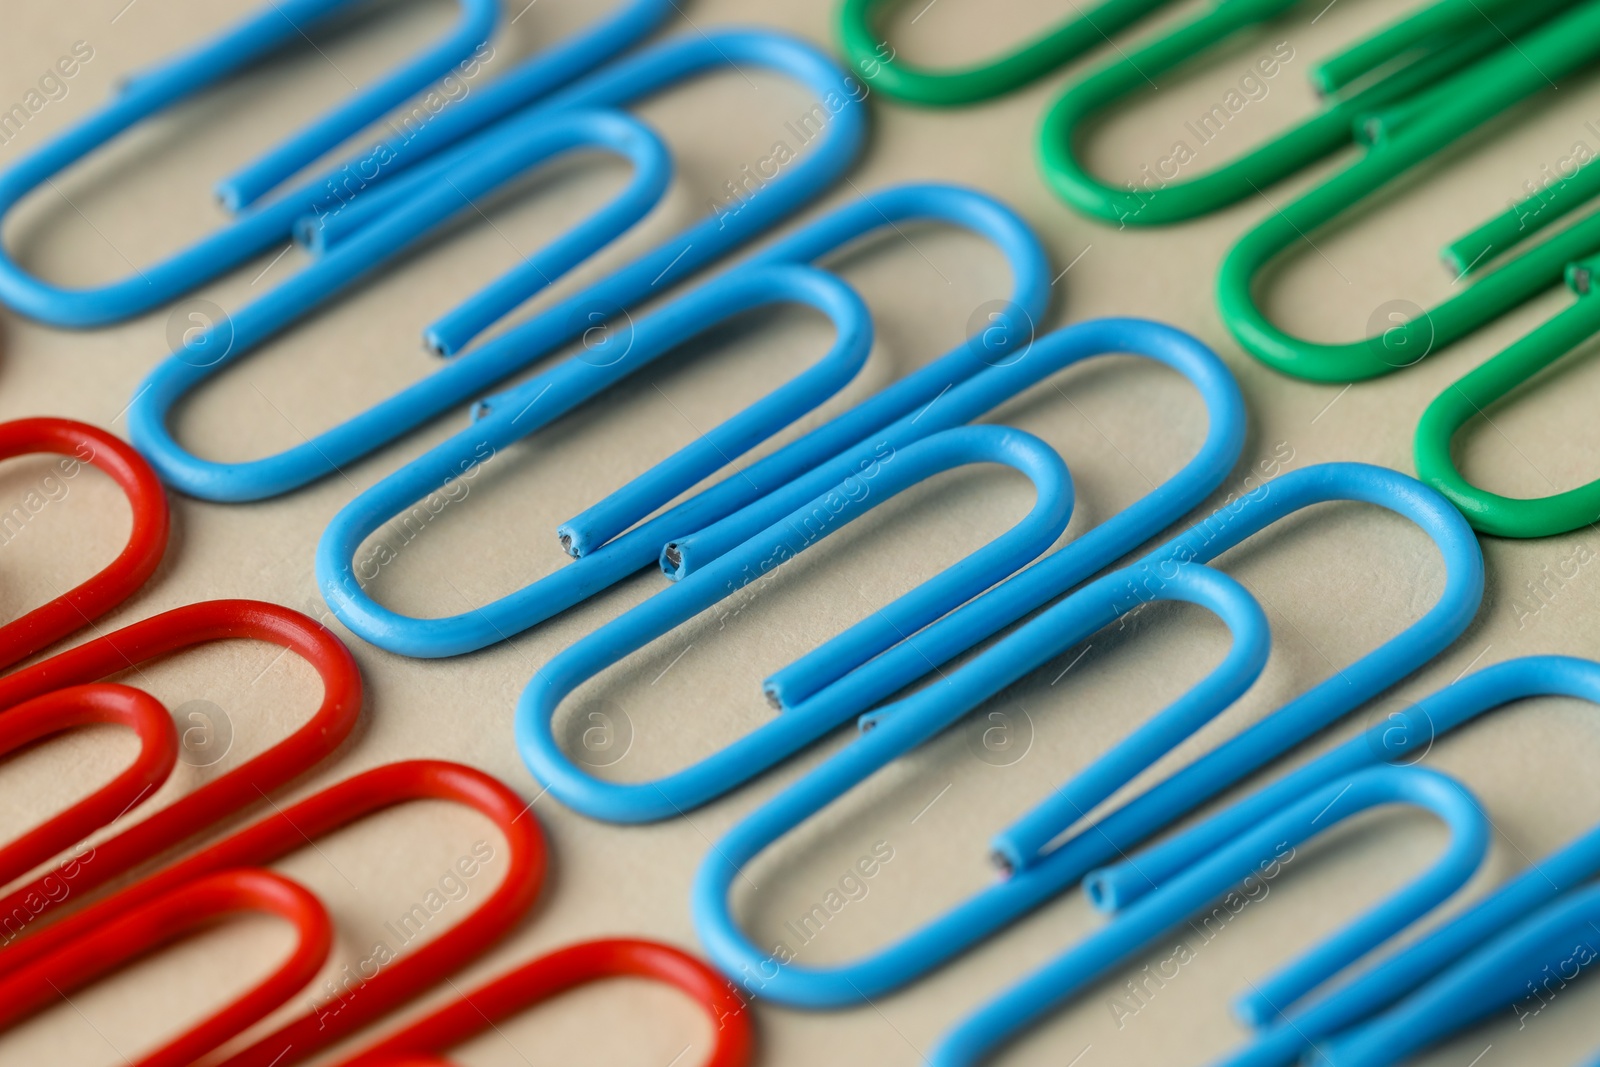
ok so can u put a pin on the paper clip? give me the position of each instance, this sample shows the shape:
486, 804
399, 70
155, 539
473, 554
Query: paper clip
1252, 855
401, 211
421, 1043
1038, 869
55, 693
221, 880
1394, 1005
877, 61
1401, 138
80, 443
1410, 57
607, 549
180, 78
849, 673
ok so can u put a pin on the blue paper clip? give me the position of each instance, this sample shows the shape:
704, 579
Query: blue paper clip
1039, 872
261, 227
606, 554
178, 79
1344, 1019
399, 213
1241, 859
848, 674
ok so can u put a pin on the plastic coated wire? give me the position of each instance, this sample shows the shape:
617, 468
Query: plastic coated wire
902, 727
264, 226
1453, 35
976, 1038
906, 640
606, 554
1385, 999
1403, 138
403, 209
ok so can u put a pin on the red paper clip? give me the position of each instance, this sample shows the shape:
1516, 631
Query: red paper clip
88, 943
81, 443
423, 1043
147, 840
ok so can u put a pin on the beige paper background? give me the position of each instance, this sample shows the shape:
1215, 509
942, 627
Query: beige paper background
1335, 581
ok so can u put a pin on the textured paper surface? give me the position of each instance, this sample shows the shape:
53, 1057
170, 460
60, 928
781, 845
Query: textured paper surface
1335, 581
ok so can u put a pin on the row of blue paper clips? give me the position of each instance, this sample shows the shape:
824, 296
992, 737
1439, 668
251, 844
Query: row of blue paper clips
713, 543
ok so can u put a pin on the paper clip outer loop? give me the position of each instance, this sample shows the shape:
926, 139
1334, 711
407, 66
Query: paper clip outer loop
1095, 549
184, 76
426, 1041
147, 541
1492, 513
164, 634
187, 909
902, 727
1404, 737
530, 142
823, 690
601, 567
510, 417
978, 1036
758, 558
290, 828
425, 189
899, 728
1422, 127
878, 63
